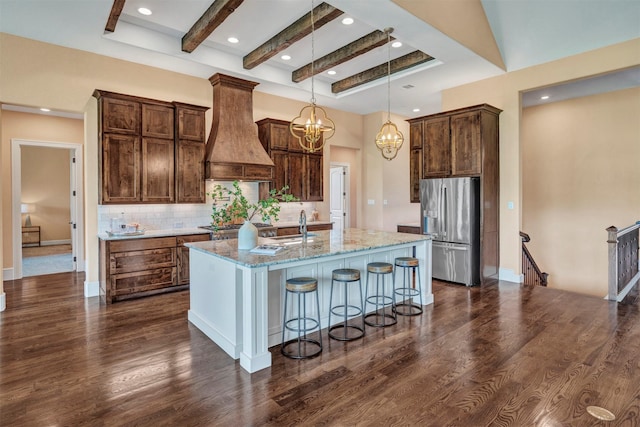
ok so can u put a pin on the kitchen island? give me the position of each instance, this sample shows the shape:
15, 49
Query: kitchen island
236, 297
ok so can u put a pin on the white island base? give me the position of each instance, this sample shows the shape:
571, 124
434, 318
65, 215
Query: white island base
236, 298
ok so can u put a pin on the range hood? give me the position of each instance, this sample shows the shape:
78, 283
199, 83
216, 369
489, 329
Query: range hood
233, 149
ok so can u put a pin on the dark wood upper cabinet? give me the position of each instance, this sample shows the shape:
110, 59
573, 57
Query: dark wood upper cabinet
147, 150
157, 170
436, 148
157, 121
415, 174
302, 172
120, 116
466, 144
120, 163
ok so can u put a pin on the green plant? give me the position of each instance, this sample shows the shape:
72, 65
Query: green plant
237, 205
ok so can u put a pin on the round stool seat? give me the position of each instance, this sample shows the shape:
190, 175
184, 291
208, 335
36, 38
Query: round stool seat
407, 262
302, 284
346, 274
379, 267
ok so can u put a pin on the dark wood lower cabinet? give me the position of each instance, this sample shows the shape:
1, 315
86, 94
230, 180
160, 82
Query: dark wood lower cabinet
134, 268
288, 231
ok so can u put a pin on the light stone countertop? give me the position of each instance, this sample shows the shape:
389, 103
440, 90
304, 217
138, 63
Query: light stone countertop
155, 233
321, 244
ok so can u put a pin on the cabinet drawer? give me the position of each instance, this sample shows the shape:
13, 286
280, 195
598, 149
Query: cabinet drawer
192, 238
140, 244
125, 262
142, 281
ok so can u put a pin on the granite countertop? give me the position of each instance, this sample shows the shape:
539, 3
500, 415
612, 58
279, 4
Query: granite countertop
154, 233
320, 244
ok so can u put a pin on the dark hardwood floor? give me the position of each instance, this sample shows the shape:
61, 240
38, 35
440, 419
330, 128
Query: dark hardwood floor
502, 355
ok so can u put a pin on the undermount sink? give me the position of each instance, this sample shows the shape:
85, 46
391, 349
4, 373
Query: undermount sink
291, 237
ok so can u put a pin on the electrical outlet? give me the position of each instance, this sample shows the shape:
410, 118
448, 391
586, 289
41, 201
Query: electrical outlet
509, 205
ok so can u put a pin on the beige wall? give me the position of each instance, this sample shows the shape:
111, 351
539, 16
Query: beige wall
33, 127
45, 184
580, 176
504, 92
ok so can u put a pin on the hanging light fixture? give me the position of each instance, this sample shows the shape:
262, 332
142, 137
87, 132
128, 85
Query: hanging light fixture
389, 139
312, 126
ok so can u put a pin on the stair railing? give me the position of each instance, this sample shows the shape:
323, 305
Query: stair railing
533, 276
623, 260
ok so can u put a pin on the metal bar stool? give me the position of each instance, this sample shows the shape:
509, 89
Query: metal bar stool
381, 298
303, 346
409, 268
346, 276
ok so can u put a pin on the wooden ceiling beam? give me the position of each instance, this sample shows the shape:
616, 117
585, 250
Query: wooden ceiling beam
209, 21
322, 14
399, 64
116, 10
361, 46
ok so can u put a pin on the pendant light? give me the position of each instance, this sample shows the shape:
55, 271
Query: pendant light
312, 127
389, 139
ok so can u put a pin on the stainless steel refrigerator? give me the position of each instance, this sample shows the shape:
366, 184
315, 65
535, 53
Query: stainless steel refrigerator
451, 215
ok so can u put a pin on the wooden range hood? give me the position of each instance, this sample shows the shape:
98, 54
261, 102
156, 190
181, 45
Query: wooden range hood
233, 150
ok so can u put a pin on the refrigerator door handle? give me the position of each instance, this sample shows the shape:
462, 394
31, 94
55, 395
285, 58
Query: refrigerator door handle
445, 217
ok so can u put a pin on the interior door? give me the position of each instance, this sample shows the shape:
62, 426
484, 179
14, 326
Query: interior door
337, 197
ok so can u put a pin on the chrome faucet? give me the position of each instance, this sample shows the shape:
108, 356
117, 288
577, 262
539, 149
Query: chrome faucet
303, 224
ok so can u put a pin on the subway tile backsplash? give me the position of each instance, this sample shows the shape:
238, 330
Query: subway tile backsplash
170, 216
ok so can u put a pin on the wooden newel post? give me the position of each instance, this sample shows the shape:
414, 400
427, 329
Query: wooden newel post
612, 240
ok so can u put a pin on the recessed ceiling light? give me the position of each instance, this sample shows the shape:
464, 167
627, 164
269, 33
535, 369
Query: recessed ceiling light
46, 110
144, 11
331, 73
544, 97
285, 57
233, 40
396, 44
347, 21
415, 110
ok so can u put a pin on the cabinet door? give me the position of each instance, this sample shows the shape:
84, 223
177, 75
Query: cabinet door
466, 142
280, 136
415, 169
313, 172
190, 124
297, 176
157, 121
190, 172
183, 255
120, 169
157, 170
120, 116
281, 171
416, 134
436, 148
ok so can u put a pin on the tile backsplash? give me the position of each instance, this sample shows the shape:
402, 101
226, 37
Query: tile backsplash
170, 216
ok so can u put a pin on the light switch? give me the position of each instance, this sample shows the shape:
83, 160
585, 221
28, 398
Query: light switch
371, 202
509, 205
384, 202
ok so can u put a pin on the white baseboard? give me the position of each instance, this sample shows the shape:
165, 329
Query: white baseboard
55, 242
91, 289
3, 301
509, 275
7, 274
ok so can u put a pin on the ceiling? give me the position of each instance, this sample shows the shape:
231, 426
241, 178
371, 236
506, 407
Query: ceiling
526, 33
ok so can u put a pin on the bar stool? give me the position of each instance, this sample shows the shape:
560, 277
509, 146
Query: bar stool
381, 298
346, 276
304, 347
409, 268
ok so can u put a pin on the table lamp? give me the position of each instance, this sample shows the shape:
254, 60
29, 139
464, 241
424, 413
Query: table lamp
27, 208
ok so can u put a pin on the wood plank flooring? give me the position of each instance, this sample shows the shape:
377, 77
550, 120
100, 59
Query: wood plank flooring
502, 355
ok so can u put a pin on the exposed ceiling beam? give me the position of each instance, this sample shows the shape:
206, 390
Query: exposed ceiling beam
116, 10
209, 21
363, 45
399, 64
322, 14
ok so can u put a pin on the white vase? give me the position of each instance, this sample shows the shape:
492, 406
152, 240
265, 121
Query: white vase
247, 236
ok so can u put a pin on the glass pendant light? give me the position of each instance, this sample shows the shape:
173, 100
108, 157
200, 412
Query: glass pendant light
312, 126
389, 139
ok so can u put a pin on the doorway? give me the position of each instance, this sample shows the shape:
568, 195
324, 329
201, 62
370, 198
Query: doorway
339, 196
50, 256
